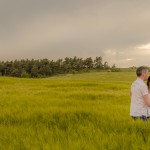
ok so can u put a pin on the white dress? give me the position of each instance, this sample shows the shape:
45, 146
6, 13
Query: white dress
148, 108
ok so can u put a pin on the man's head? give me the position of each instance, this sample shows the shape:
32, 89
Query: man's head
142, 72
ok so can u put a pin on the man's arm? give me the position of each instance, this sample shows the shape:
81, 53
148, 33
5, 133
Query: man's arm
146, 100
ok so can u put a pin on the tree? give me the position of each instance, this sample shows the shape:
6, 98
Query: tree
114, 69
45, 67
98, 63
106, 66
34, 71
88, 63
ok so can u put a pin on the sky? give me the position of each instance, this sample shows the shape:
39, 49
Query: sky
117, 30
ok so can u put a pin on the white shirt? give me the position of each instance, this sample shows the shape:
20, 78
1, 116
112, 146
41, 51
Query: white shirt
138, 90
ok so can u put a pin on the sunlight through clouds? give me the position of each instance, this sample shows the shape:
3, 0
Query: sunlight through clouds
146, 46
143, 49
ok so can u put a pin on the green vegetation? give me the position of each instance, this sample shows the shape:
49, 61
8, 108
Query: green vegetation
45, 68
87, 111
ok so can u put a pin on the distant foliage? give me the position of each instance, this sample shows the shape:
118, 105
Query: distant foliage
114, 68
44, 67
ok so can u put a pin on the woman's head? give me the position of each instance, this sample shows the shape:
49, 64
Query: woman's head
148, 82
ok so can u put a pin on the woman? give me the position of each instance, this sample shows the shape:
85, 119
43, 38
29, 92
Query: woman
148, 84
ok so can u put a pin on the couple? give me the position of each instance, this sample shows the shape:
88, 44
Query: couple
140, 95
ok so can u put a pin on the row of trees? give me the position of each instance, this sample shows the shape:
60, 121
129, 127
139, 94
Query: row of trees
45, 67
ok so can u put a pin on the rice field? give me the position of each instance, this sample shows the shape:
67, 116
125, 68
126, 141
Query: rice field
88, 111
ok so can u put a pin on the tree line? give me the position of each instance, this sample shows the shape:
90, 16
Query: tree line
45, 67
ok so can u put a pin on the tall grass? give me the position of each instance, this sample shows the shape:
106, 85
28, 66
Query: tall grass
70, 112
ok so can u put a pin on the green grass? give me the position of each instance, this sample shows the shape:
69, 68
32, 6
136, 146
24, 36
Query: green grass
88, 111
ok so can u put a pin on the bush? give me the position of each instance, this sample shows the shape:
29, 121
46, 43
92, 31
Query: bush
25, 75
115, 70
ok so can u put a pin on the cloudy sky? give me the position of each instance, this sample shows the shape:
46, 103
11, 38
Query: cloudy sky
117, 30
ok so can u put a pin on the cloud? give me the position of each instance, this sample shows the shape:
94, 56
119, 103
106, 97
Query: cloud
145, 46
115, 30
114, 56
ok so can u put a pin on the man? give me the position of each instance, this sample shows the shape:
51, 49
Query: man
139, 95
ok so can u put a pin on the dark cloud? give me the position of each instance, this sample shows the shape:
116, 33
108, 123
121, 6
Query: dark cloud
59, 28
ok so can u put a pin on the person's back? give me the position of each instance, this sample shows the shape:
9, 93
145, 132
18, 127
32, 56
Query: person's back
139, 95
138, 89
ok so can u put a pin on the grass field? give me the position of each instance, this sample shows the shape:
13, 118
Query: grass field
88, 111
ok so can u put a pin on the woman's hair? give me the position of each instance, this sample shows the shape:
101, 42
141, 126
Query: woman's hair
148, 81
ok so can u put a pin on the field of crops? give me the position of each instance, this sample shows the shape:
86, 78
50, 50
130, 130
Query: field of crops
88, 111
